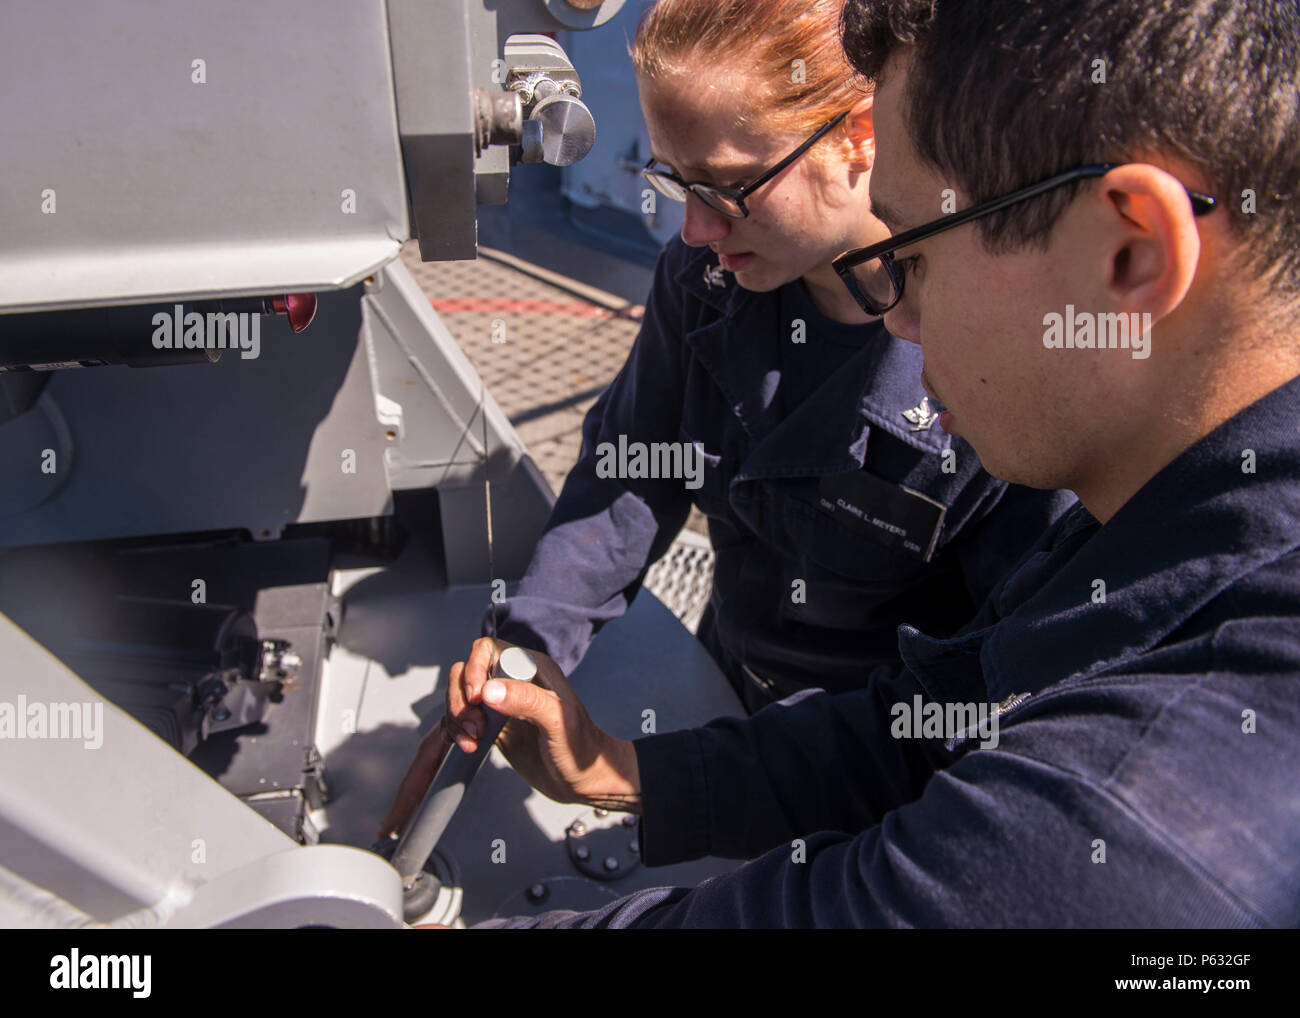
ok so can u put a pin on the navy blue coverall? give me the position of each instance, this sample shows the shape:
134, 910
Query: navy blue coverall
1150, 778
823, 498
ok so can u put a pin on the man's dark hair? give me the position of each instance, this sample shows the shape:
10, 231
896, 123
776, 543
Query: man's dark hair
1001, 94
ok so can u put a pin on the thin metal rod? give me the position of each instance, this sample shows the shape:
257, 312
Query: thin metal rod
487, 505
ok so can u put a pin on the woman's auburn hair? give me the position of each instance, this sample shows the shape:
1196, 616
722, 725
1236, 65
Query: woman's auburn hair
791, 48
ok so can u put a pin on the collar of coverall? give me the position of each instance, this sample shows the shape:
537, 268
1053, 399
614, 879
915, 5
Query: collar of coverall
828, 434
1193, 530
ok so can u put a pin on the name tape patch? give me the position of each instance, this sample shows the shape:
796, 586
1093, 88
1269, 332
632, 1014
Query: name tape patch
891, 513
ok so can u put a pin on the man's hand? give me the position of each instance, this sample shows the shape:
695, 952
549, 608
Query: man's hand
551, 743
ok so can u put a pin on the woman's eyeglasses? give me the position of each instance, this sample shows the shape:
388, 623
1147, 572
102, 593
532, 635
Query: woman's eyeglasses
730, 201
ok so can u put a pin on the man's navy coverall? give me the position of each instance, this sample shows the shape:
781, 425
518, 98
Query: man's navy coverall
1151, 776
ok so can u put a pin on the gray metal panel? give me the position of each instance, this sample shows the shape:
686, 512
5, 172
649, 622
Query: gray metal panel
427, 390
521, 504
111, 830
433, 81
165, 187
252, 443
263, 442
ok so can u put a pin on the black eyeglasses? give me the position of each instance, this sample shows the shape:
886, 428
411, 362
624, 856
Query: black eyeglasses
876, 280
730, 201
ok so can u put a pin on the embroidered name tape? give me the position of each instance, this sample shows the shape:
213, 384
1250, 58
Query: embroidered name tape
891, 513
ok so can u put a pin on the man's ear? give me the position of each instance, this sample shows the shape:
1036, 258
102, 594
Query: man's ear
1153, 242
860, 136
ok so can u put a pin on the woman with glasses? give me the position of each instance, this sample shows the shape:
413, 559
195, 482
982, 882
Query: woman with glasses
837, 509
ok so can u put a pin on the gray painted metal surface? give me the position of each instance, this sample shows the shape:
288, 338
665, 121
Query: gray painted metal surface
385, 688
374, 397
165, 186
118, 826
428, 392
241, 443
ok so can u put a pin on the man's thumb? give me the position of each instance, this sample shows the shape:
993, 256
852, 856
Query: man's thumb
516, 699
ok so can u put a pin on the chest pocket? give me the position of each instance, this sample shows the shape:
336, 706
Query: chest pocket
714, 474
847, 574
717, 438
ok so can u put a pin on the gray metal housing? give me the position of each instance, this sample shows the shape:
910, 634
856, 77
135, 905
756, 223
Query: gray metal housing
180, 152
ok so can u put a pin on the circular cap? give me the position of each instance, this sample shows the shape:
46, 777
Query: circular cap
300, 307
517, 663
568, 130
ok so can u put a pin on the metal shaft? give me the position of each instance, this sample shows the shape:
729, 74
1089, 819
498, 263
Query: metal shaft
457, 771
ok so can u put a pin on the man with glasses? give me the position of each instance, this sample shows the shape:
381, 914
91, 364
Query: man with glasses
1145, 659
875, 277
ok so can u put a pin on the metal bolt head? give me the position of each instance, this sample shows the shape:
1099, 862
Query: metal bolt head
222, 714
633, 847
602, 812
583, 853
629, 821
537, 892
611, 864
577, 828
544, 88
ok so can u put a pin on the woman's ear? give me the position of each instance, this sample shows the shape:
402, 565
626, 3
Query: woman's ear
860, 136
